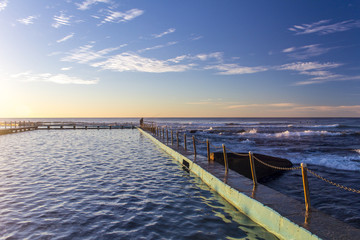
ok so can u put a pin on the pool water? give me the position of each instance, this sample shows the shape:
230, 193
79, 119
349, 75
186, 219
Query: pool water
107, 184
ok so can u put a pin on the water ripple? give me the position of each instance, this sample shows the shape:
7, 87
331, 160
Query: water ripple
106, 185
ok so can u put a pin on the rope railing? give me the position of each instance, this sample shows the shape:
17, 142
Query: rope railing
155, 130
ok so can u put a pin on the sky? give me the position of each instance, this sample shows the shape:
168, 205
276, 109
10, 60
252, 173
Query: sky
203, 58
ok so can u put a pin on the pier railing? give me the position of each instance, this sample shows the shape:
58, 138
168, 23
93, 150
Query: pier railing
7, 127
162, 133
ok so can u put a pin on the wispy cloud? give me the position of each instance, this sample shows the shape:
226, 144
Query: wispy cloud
289, 109
28, 20
276, 105
178, 58
329, 77
66, 68
157, 47
65, 38
211, 102
61, 20
235, 69
330, 109
3, 4
305, 52
135, 63
54, 78
319, 72
215, 55
306, 66
117, 17
324, 27
85, 54
170, 30
195, 37
86, 4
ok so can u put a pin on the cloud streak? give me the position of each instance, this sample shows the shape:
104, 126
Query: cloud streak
53, 78
85, 54
305, 52
235, 69
117, 17
28, 20
170, 30
306, 66
157, 47
85, 5
324, 27
61, 20
318, 71
3, 4
276, 105
135, 63
65, 38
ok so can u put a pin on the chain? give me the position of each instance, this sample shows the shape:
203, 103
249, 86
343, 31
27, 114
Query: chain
215, 146
275, 167
238, 154
199, 141
332, 183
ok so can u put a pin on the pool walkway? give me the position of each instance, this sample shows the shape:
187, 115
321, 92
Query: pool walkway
281, 215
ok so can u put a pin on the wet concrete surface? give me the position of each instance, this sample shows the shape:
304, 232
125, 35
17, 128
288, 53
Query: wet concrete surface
322, 225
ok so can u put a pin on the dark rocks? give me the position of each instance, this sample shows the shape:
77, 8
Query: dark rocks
242, 164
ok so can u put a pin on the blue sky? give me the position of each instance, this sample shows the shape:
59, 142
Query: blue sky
107, 58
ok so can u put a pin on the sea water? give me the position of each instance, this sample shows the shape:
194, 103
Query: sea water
107, 184
330, 147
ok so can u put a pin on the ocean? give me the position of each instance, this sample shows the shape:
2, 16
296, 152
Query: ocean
329, 146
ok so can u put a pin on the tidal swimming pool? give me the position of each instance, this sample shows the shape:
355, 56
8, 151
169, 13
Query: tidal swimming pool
107, 184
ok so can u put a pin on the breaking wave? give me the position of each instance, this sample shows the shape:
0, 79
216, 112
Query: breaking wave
306, 133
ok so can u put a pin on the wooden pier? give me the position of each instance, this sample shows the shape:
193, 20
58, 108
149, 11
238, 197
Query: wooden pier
24, 126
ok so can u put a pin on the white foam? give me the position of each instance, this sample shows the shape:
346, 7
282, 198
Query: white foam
247, 141
305, 133
325, 126
252, 131
357, 150
332, 161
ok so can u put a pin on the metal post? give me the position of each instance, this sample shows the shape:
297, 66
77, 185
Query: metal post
177, 138
193, 137
5, 124
225, 159
172, 138
252, 167
185, 142
167, 135
163, 132
208, 149
306, 185
10, 124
